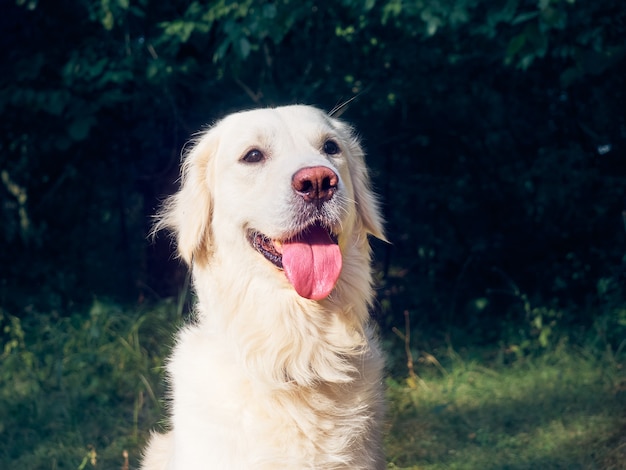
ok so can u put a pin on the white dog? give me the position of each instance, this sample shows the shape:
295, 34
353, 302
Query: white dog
281, 370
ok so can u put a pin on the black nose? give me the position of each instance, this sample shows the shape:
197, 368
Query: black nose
315, 184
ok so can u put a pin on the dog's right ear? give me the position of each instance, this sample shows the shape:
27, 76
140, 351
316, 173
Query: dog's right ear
187, 214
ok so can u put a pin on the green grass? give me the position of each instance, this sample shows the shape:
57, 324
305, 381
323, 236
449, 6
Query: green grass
78, 392
561, 410
81, 389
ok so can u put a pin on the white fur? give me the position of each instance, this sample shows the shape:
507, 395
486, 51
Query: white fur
266, 379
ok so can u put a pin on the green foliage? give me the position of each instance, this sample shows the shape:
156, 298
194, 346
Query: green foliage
80, 387
492, 130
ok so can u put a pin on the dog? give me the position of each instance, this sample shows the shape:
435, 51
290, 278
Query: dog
281, 368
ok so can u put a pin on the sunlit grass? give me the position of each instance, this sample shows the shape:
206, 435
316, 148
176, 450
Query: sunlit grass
563, 410
83, 390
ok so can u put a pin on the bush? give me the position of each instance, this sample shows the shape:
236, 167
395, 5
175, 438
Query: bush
81, 387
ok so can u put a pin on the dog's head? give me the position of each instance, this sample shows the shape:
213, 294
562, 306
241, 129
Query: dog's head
288, 184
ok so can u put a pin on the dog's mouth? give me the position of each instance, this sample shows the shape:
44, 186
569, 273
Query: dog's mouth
311, 259
271, 249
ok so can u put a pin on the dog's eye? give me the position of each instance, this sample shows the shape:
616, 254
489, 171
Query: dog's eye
331, 147
253, 156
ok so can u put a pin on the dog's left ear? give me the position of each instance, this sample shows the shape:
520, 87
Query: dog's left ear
188, 213
367, 204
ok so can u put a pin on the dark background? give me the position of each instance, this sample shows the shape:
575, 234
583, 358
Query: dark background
495, 131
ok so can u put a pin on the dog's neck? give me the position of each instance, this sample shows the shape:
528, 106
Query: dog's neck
307, 342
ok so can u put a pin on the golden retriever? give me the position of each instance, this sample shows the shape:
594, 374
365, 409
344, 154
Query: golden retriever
281, 369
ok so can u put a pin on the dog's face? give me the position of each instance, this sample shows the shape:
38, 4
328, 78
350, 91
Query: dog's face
287, 185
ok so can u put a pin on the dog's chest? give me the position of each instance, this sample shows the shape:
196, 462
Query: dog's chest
220, 411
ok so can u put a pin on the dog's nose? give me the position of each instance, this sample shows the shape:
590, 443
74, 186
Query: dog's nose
315, 184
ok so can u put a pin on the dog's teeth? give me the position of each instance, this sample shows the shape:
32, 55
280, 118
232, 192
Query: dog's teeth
278, 245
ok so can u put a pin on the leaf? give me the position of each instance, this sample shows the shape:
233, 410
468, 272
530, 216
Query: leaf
108, 21
503, 14
391, 10
516, 45
244, 47
537, 38
138, 12
525, 17
180, 29
55, 104
570, 75
269, 11
554, 18
153, 69
79, 129
221, 50
433, 22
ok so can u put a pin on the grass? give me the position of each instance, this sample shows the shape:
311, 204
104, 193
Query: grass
562, 410
78, 392
81, 392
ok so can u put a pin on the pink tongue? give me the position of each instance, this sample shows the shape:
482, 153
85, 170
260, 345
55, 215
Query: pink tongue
312, 263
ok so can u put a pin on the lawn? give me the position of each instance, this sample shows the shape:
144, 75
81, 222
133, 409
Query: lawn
561, 410
82, 392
